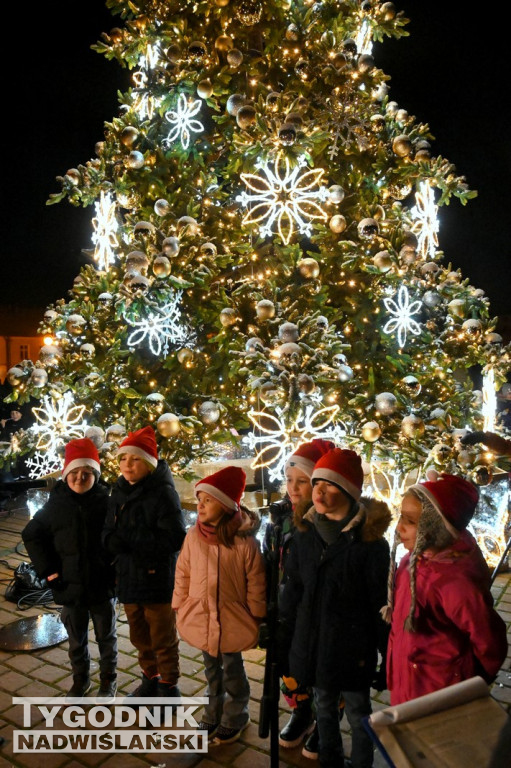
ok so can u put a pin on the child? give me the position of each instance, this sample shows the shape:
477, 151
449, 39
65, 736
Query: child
298, 471
220, 598
145, 529
337, 569
444, 627
63, 541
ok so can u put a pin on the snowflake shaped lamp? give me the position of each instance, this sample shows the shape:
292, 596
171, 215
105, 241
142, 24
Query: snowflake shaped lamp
364, 38
489, 401
105, 228
58, 421
284, 196
402, 312
275, 440
144, 102
160, 328
182, 121
43, 464
426, 224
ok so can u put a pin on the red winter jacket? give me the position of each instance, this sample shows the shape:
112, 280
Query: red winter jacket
458, 632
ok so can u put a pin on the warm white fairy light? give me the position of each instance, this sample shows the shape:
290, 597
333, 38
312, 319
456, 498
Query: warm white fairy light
284, 195
57, 421
426, 225
489, 408
364, 38
160, 328
402, 312
183, 122
145, 102
275, 439
105, 227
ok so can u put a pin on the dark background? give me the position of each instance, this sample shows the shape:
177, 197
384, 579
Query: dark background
451, 72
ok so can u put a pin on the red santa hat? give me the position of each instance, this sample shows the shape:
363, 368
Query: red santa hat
453, 497
141, 443
307, 454
226, 486
81, 453
343, 468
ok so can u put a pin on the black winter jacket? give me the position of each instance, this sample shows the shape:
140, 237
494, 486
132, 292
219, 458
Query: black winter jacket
64, 537
144, 531
331, 602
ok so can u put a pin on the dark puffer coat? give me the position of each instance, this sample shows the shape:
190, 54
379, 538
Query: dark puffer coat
332, 599
64, 537
144, 531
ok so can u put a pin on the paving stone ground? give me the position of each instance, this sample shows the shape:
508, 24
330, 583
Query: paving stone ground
45, 672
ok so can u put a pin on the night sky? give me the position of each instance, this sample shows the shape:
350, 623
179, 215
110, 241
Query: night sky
451, 72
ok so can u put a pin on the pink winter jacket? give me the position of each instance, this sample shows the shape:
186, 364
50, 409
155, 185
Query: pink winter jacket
220, 593
458, 632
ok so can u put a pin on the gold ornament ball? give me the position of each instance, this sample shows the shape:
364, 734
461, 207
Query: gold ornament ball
221, 3
168, 425
265, 309
402, 146
209, 249
308, 268
161, 266
75, 324
245, 116
368, 228
472, 327
228, 317
129, 135
205, 89
371, 431
162, 207
457, 308
49, 354
482, 475
441, 453
187, 225
115, 433
408, 255
87, 351
383, 261
138, 261
412, 426
15, 376
389, 11
185, 355
224, 43
337, 224
493, 338
412, 385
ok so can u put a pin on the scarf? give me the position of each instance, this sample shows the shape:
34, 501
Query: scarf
329, 530
208, 532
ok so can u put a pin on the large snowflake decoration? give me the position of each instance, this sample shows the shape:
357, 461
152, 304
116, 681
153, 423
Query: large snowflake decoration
364, 38
160, 328
275, 439
402, 320
183, 122
105, 228
285, 196
144, 101
426, 225
58, 421
42, 464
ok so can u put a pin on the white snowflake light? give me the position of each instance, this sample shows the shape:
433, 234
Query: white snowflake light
58, 421
105, 228
160, 328
364, 38
284, 195
145, 102
42, 464
489, 401
275, 440
183, 122
426, 225
402, 312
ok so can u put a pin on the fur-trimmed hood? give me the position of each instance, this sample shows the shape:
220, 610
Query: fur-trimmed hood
250, 522
373, 515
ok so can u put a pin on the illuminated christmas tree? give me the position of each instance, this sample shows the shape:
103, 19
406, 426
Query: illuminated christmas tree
265, 264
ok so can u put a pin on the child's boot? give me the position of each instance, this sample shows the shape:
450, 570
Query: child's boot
299, 725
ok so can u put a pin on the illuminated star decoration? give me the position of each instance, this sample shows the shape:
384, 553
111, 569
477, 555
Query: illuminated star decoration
160, 328
58, 421
145, 102
402, 316
284, 195
105, 228
426, 225
275, 440
182, 120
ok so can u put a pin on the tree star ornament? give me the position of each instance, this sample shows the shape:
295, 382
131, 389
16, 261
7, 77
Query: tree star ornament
285, 196
160, 328
105, 227
426, 224
402, 316
182, 121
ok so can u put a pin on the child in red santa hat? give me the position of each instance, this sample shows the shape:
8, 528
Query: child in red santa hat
444, 627
63, 540
144, 531
220, 597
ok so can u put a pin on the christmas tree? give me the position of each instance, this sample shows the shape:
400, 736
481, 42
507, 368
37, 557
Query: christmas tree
266, 266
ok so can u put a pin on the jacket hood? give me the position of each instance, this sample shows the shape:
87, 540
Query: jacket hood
372, 516
250, 522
